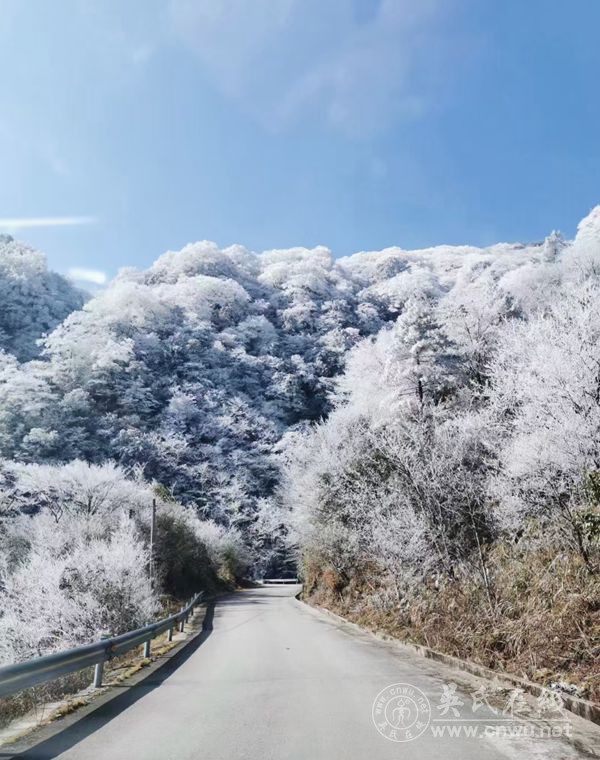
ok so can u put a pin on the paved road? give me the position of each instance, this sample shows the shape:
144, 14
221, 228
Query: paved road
274, 680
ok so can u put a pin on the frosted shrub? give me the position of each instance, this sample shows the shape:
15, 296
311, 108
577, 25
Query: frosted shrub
225, 547
75, 556
70, 586
78, 488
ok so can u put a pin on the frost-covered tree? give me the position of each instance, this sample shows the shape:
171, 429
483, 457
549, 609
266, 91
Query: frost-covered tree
471, 418
546, 396
33, 299
195, 373
423, 360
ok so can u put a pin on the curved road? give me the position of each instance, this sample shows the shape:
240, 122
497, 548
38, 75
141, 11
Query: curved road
271, 679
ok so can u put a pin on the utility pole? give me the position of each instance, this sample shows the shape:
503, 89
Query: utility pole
152, 532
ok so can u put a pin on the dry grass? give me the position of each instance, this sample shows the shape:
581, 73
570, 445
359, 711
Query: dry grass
543, 624
33, 701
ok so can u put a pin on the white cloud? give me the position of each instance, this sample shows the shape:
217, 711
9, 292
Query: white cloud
359, 65
95, 276
27, 222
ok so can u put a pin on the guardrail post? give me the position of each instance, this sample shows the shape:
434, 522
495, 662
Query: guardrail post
99, 667
147, 647
170, 634
98, 673
182, 622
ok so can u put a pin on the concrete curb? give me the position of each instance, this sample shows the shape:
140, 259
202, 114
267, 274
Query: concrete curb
582, 707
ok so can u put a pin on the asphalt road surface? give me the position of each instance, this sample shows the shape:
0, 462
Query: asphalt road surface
271, 679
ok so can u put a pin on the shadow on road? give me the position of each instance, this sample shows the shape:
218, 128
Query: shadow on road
101, 715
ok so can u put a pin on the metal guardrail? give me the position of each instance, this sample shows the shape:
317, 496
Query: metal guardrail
281, 581
23, 675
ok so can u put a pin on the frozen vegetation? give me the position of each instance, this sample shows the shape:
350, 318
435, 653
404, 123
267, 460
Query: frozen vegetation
397, 420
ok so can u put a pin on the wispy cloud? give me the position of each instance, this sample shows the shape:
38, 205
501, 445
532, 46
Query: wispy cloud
95, 276
27, 222
358, 65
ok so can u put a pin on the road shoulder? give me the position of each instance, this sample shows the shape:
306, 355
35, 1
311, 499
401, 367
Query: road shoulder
585, 734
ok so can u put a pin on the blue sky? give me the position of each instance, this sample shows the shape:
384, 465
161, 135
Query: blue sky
130, 128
